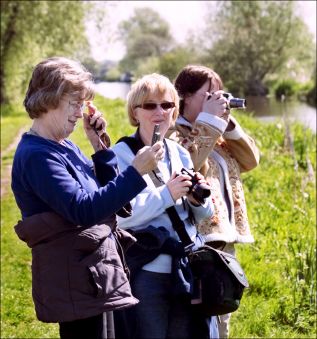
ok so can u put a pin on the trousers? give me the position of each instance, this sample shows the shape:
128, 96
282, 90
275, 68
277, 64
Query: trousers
100, 326
224, 319
160, 314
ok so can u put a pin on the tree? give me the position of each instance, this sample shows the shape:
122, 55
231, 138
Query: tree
173, 61
250, 40
33, 30
146, 35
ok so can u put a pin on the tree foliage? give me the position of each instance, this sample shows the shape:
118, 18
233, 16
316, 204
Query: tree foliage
173, 61
250, 40
145, 35
33, 30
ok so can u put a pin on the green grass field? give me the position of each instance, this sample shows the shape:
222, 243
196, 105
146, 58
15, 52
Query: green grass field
280, 265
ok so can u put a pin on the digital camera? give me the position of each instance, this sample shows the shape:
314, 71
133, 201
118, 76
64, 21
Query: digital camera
199, 191
235, 102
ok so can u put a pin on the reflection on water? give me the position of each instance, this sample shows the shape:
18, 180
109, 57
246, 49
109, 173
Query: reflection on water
268, 109
264, 108
113, 90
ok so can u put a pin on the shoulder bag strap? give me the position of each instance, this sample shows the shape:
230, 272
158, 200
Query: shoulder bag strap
135, 143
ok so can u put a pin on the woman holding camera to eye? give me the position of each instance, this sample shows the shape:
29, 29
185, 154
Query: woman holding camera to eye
157, 261
69, 204
220, 150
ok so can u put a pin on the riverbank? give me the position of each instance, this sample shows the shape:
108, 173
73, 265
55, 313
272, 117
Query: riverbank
266, 109
280, 265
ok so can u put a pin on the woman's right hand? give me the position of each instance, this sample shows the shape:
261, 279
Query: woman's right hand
95, 127
179, 185
216, 105
147, 158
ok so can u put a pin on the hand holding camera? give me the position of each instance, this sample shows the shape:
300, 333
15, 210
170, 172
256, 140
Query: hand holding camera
147, 158
199, 189
95, 127
190, 183
216, 104
219, 104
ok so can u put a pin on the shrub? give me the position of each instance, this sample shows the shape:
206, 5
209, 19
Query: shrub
286, 88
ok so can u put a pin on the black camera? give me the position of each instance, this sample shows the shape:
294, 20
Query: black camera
199, 191
156, 134
235, 102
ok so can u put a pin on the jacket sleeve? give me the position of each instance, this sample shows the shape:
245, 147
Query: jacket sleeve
242, 147
201, 139
106, 170
158, 198
54, 182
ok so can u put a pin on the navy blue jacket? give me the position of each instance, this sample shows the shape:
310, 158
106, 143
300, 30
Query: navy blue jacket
52, 177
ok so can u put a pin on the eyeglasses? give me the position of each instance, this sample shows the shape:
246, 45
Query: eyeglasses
76, 106
150, 106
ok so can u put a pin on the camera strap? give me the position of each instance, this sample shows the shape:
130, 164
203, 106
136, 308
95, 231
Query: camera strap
135, 144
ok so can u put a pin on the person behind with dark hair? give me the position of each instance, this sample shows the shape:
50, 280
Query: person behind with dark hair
69, 204
159, 266
220, 150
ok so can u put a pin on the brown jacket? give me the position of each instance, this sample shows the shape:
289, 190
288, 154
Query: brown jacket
220, 156
76, 272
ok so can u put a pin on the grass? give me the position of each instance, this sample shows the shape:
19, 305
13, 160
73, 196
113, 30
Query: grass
280, 265
12, 120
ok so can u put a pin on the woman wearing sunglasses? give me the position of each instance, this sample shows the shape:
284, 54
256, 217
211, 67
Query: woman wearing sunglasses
157, 260
69, 204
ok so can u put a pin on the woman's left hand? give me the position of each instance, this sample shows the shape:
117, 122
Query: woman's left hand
95, 128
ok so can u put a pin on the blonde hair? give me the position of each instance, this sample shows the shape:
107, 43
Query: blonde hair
148, 85
52, 79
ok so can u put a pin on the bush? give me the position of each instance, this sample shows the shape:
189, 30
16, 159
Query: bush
311, 96
286, 88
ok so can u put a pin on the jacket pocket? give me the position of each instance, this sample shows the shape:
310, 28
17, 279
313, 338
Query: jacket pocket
108, 276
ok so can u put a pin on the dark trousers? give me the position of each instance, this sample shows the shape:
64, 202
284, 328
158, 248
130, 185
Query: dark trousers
159, 315
100, 326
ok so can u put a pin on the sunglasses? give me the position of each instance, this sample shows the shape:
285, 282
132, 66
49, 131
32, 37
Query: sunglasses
150, 106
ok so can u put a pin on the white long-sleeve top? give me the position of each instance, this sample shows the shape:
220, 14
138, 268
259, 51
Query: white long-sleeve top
149, 206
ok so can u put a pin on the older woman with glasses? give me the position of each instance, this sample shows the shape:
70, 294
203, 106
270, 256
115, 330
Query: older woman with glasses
157, 261
69, 204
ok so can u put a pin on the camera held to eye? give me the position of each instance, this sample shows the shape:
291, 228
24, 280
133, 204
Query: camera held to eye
235, 102
199, 191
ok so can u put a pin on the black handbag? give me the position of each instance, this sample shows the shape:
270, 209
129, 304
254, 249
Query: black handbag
219, 280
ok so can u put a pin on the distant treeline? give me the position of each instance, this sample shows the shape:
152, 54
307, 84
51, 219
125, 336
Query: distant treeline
257, 47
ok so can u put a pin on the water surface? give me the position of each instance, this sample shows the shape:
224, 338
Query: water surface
264, 108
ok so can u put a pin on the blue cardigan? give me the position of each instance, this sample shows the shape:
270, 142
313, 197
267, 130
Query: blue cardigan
49, 176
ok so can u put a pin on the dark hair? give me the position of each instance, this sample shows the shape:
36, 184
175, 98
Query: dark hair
51, 80
191, 78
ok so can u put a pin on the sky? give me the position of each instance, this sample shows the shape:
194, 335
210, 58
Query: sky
182, 16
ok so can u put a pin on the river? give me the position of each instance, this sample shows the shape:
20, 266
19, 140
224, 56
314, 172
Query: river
262, 108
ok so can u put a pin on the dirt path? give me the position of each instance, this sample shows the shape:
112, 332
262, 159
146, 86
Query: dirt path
6, 172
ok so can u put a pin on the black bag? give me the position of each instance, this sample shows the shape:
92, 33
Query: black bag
219, 281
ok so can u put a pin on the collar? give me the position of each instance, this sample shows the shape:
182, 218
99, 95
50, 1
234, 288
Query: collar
182, 121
